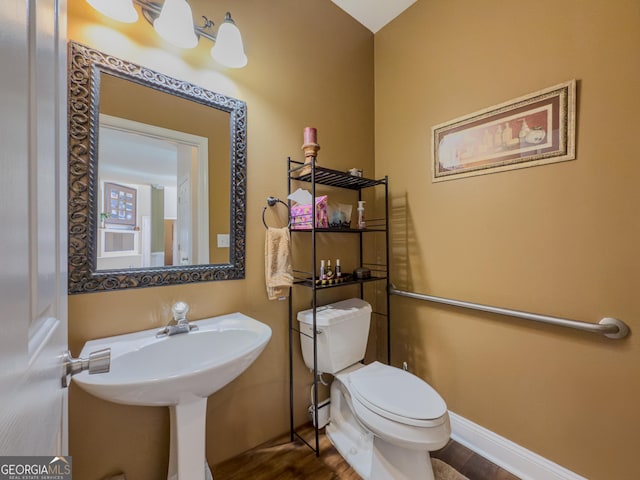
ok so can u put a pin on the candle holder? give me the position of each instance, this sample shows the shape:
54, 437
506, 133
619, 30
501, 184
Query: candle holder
310, 148
310, 154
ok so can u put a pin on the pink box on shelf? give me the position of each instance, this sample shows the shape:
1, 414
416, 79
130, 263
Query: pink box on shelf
301, 215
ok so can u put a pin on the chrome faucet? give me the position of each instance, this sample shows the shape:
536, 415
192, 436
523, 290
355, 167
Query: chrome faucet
179, 324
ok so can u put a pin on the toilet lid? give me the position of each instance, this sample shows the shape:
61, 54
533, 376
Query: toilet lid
396, 394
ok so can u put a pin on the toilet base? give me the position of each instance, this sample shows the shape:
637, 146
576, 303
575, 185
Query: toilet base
354, 447
380, 462
390, 462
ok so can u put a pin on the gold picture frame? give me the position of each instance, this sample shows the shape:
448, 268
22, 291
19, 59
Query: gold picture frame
535, 129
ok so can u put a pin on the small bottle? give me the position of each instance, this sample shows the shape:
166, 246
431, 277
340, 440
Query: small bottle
338, 270
329, 273
323, 275
361, 222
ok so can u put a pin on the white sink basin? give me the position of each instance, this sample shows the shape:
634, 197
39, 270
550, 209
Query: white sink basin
146, 370
180, 372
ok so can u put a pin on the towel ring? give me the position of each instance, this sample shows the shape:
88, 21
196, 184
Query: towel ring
271, 201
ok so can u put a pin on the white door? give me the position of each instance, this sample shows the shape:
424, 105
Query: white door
183, 222
33, 288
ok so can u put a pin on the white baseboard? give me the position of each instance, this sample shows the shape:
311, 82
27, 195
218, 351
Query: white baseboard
512, 457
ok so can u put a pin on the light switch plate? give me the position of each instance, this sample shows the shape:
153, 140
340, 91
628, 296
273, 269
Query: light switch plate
223, 240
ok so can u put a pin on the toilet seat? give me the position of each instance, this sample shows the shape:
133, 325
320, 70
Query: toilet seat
397, 395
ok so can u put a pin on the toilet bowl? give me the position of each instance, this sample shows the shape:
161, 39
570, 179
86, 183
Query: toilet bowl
383, 420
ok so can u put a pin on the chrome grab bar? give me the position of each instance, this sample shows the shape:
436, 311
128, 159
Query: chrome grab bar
609, 327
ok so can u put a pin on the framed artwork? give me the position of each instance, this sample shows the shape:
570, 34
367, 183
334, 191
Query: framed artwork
120, 204
536, 129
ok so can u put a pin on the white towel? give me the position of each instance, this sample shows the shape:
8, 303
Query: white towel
277, 263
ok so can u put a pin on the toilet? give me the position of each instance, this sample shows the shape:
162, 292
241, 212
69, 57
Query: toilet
382, 420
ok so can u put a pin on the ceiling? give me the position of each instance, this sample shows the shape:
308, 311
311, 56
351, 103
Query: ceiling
130, 157
374, 14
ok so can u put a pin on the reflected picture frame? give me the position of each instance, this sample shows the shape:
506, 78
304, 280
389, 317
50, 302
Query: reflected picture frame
535, 129
120, 204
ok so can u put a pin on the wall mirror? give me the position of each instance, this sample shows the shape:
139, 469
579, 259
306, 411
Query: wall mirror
157, 178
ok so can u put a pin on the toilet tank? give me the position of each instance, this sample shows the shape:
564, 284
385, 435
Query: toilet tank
343, 330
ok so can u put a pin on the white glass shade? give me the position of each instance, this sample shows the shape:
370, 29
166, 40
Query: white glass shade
120, 10
175, 24
229, 50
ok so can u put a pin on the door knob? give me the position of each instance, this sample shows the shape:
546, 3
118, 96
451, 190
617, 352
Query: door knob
98, 362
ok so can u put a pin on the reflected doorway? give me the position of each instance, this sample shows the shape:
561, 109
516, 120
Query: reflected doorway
159, 207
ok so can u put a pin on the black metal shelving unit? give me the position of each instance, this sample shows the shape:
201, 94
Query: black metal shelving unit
313, 175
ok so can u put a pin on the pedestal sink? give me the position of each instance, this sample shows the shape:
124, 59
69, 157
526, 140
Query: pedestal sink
180, 372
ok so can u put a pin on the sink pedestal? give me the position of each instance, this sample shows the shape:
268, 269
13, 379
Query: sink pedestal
186, 450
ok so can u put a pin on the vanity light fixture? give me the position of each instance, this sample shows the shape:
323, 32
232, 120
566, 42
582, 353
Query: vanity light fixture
120, 10
173, 21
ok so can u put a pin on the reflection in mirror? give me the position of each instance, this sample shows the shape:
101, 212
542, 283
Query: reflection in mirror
153, 193
157, 178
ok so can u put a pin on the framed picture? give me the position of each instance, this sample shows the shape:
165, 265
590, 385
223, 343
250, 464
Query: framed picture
532, 130
120, 204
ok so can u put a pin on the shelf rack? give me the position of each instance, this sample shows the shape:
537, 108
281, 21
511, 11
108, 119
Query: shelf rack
312, 174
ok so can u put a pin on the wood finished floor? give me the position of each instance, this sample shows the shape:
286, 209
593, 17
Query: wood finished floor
281, 459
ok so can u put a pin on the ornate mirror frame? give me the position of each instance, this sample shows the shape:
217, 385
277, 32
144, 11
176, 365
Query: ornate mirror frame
85, 67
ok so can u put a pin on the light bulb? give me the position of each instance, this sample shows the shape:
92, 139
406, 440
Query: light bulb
229, 50
120, 10
175, 24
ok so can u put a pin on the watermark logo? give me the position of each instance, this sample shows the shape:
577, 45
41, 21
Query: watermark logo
35, 468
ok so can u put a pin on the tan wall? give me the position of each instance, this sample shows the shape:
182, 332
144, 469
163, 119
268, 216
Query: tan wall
309, 64
560, 239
